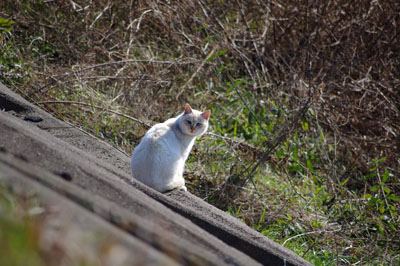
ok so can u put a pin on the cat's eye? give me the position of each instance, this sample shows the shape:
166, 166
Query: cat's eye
198, 124
189, 123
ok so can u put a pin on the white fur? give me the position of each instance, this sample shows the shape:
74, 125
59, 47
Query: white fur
159, 160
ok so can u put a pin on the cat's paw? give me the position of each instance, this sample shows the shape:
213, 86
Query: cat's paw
183, 188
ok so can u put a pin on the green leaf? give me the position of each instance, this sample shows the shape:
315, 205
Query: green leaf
281, 221
238, 211
393, 197
202, 27
330, 146
374, 188
344, 182
386, 190
369, 176
367, 196
380, 161
385, 176
233, 102
219, 53
315, 179
321, 137
238, 82
5, 24
262, 218
316, 224
309, 165
304, 125
381, 208
294, 167
235, 129
211, 58
377, 164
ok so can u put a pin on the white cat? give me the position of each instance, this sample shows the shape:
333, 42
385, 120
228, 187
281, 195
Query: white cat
159, 160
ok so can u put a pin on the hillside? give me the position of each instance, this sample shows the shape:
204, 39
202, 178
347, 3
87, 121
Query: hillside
73, 189
305, 100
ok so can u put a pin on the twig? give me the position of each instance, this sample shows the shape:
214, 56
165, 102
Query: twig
281, 136
308, 233
195, 73
98, 107
100, 15
240, 143
63, 76
141, 17
241, 8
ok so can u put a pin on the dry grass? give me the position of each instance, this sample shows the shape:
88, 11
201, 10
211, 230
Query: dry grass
255, 64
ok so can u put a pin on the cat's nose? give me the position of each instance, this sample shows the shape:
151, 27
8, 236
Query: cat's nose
192, 129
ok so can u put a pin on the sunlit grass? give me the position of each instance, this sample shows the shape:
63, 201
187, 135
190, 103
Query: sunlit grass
325, 192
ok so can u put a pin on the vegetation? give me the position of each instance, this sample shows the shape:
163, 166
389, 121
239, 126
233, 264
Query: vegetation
30, 233
19, 231
305, 99
38, 232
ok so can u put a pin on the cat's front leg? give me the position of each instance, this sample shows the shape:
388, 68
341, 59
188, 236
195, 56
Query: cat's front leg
180, 185
183, 188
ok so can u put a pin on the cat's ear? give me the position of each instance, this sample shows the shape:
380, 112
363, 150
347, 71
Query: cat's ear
188, 109
206, 114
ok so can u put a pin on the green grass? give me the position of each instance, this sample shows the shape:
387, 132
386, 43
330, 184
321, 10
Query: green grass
330, 189
19, 243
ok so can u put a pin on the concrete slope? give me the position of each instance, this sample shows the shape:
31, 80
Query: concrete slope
72, 221
101, 170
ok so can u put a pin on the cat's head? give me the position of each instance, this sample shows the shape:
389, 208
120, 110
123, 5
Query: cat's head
193, 122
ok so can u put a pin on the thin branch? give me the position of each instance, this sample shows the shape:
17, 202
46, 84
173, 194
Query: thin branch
239, 143
195, 73
283, 133
98, 107
63, 76
309, 233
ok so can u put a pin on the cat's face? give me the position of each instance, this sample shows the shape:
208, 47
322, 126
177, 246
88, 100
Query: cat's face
193, 122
